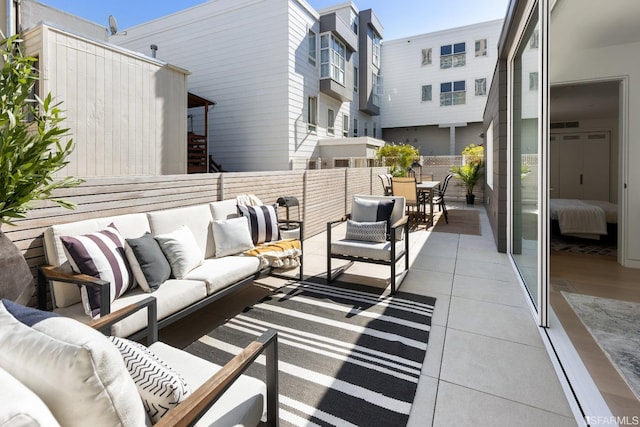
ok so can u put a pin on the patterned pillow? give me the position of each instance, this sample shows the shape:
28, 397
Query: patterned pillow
101, 255
149, 265
159, 386
367, 231
182, 251
367, 210
263, 221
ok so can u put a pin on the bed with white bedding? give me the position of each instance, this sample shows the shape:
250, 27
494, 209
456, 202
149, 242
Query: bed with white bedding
583, 218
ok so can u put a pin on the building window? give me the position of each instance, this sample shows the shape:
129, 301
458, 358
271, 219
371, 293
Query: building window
481, 87
535, 39
426, 56
453, 93
481, 47
533, 81
453, 55
354, 23
376, 50
355, 127
312, 114
332, 58
426, 93
331, 119
345, 125
366, 129
375, 130
356, 79
377, 89
313, 55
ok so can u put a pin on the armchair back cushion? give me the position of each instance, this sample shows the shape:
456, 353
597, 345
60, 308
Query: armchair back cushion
20, 406
72, 368
129, 226
363, 203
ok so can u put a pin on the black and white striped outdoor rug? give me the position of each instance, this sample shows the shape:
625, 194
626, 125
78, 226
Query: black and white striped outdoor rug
348, 355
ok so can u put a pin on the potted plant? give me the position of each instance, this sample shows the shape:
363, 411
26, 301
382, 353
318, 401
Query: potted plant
30, 155
471, 170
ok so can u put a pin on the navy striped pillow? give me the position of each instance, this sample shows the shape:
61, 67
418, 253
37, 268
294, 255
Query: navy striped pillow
263, 221
101, 255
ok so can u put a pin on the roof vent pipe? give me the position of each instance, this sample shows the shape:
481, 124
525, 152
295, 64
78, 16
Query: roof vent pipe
154, 49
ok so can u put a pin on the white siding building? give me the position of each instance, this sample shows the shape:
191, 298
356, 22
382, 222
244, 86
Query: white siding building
435, 87
263, 63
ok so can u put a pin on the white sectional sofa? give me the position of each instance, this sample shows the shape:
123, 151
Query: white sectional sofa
176, 297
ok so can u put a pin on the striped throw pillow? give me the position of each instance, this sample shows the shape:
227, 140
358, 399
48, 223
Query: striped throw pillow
100, 255
159, 386
263, 222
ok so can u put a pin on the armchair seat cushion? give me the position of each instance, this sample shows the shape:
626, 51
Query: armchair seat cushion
361, 249
218, 273
244, 403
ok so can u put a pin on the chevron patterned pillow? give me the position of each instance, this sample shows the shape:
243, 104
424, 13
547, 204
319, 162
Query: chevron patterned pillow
367, 231
160, 387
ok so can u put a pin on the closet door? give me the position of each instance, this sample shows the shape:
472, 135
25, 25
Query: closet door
571, 167
596, 166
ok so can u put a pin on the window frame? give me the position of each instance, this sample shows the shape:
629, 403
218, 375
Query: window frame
482, 81
430, 97
333, 61
345, 125
331, 122
454, 94
312, 114
453, 55
483, 50
427, 56
313, 48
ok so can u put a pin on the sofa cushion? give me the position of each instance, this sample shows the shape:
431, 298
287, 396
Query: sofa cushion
20, 406
159, 386
72, 368
197, 218
367, 231
66, 294
148, 263
218, 273
99, 254
231, 236
243, 404
224, 209
182, 251
372, 250
263, 221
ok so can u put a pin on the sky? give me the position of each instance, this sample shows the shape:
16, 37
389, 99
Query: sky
400, 18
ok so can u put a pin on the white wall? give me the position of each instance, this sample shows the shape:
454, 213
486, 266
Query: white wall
126, 113
405, 75
613, 62
33, 13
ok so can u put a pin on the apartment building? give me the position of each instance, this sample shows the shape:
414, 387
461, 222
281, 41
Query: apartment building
292, 85
435, 87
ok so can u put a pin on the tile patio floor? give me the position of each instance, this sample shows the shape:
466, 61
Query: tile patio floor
486, 363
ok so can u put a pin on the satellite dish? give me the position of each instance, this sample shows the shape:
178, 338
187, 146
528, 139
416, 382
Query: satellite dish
113, 25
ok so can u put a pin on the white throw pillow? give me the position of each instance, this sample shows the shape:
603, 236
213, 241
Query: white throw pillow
20, 406
160, 387
182, 251
71, 367
232, 236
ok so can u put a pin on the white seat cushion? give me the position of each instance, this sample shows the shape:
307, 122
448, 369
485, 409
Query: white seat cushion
20, 406
73, 368
372, 250
218, 273
243, 404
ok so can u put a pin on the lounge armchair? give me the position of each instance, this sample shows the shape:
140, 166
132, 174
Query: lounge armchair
84, 380
376, 233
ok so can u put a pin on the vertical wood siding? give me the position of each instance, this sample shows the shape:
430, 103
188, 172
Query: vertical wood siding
126, 113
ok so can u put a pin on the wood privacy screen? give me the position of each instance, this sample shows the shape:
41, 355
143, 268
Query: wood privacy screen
323, 195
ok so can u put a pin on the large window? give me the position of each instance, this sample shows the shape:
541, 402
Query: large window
331, 121
453, 55
481, 87
426, 56
426, 92
312, 113
313, 54
345, 125
332, 58
376, 50
453, 93
377, 89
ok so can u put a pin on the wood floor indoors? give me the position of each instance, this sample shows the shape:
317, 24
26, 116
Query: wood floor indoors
599, 276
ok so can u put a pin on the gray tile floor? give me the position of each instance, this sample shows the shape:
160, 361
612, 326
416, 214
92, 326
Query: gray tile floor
486, 363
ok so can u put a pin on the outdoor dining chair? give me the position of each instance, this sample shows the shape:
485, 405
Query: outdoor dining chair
415, 201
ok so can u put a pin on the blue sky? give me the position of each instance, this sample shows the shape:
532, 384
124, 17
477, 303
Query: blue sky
400, 18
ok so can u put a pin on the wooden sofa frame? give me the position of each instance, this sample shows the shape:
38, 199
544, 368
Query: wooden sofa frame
198, 403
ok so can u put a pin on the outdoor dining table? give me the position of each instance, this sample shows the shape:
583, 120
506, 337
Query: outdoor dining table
428, 187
